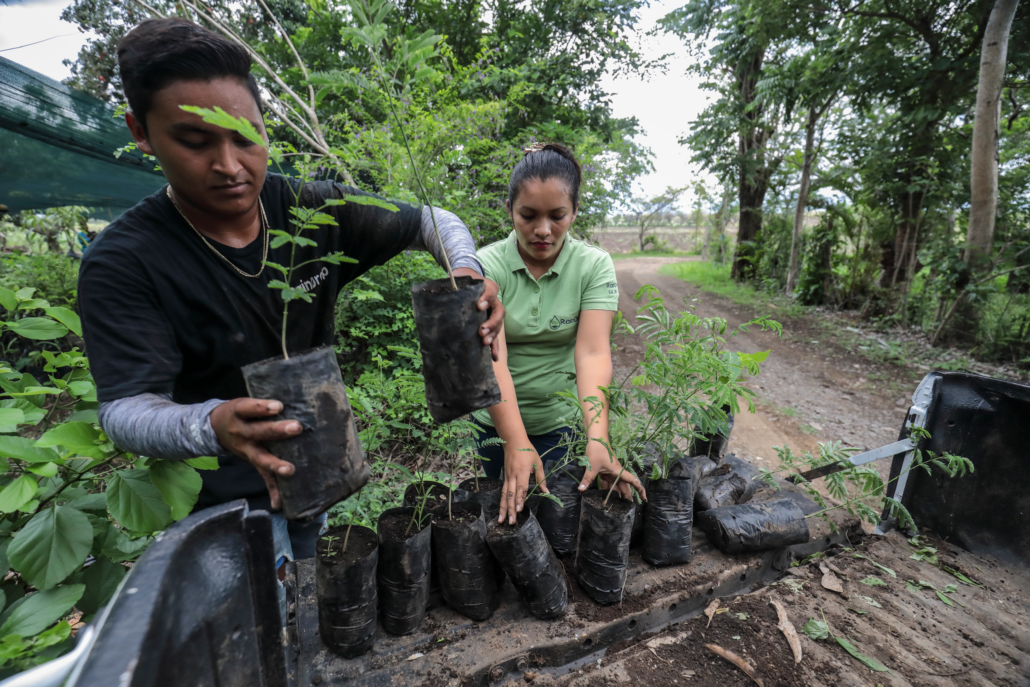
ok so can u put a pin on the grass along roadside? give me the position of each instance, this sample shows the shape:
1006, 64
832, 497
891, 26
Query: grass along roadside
907, 349
716, 279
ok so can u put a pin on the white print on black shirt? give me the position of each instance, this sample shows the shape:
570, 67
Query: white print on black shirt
309, 284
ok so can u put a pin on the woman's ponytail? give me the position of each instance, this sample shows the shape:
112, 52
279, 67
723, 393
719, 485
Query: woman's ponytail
545, 161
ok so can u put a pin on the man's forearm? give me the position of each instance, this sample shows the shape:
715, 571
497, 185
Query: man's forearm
153, 425
461, 249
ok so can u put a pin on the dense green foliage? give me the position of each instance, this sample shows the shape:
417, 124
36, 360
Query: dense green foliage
886, 89
478, 82
73, 507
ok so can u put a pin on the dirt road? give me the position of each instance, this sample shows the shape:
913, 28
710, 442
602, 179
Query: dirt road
808, 391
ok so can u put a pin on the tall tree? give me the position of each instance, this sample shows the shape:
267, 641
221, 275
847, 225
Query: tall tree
983, 183
734, 133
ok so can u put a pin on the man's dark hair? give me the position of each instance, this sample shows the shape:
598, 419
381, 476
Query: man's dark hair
159, 52
545, 161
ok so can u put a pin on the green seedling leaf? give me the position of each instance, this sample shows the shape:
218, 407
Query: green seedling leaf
951, 571
88, 415
926, 554
950, 589
36, 612
369, 200
75, 436
179, 485
816, 629
927, 585
10, 418
18, 493
871, 601
43, 469
66, 317
26, 450
874, 582
136, 503
8, 299
912, 587
90, 503
855, 610
32, 413
203, 463
101, 580
114, 543
38, 328
876, 565
80, 388
870, 663
51, 546
940, 595
220, 117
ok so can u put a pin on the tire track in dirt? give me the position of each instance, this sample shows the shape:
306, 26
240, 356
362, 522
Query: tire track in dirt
820, 387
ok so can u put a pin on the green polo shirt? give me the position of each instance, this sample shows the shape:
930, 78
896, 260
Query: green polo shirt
541, 320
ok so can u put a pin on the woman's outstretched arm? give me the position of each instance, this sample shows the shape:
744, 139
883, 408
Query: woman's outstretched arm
520, 458
593, 374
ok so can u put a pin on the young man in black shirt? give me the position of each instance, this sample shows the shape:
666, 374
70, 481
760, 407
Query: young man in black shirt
174, 294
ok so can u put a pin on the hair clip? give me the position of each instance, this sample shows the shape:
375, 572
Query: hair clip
534, 148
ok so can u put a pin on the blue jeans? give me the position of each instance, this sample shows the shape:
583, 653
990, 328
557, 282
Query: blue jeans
492, 457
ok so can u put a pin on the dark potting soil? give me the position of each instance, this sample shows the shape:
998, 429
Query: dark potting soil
457, 518
486, 485
616, 502
503, 529
361, 543
437, 493
399, 526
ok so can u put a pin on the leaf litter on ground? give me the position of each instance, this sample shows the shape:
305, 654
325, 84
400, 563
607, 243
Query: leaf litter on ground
820, 629
788, 630
876, 565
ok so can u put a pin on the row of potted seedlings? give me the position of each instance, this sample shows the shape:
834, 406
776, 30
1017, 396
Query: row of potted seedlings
439, 541
450, 542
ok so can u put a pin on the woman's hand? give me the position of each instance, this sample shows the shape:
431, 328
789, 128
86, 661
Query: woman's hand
518, 465
242, 427
492, 305
609, 469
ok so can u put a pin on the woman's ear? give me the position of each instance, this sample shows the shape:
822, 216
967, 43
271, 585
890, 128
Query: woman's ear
507, 206
139, 134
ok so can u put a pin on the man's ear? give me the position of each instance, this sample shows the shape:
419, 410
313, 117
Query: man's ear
507, 206
139, 134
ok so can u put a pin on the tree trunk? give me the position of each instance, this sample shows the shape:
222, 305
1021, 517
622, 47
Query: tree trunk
895, 270
752, 195
984, 172
799, 213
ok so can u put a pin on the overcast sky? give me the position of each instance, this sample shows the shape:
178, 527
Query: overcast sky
665, 105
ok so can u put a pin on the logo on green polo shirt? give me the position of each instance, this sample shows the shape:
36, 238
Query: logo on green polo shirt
557, 323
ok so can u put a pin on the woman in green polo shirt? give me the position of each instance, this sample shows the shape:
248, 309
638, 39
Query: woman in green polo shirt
560, 298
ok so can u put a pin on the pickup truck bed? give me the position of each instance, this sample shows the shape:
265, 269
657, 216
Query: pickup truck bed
199, 608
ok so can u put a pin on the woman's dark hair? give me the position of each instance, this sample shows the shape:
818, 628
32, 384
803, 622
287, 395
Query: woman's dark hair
159, 52
545, 161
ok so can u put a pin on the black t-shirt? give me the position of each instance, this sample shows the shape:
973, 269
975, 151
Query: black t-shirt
162, 313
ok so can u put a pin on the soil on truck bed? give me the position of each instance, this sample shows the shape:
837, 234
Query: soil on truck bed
983, 639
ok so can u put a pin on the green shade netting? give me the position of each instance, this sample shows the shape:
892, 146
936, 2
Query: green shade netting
57, 148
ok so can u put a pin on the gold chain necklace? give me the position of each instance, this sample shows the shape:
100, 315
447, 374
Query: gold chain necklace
264, 230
